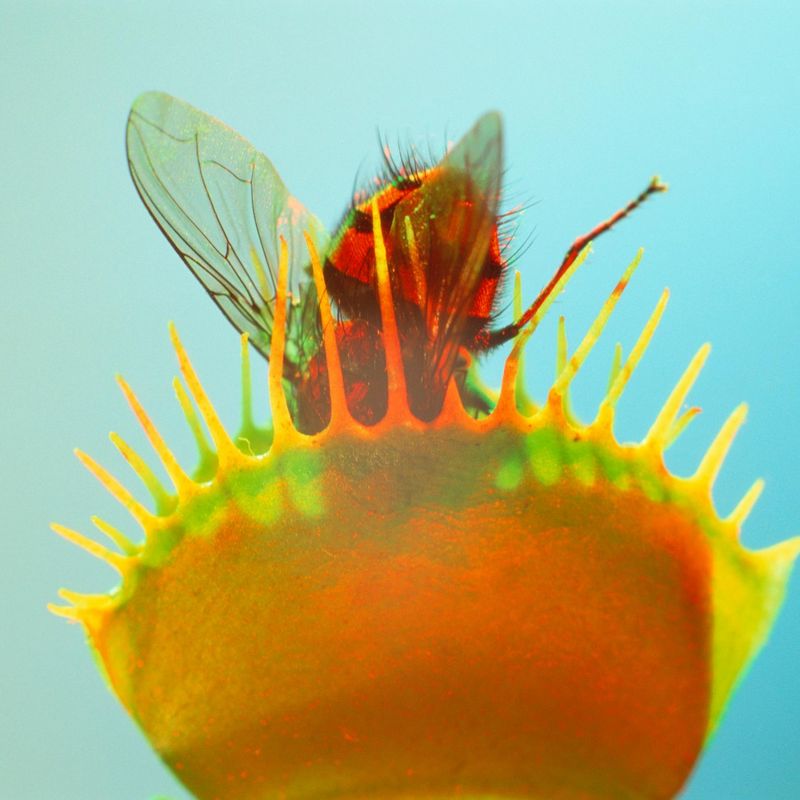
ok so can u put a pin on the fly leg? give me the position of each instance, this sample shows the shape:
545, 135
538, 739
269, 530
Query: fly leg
498, 337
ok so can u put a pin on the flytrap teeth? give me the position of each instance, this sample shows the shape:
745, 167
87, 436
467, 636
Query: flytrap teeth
119, 562
506, 404
512, 402
680, 425
660, 431
621, 372
576, 361
164, 502
116, 536
207, 462
182, 482
219, 436
143, 517
86, 609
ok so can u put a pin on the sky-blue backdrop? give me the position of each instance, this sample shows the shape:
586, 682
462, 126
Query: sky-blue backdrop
596, 97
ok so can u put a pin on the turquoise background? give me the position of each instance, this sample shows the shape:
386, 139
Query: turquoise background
596, 98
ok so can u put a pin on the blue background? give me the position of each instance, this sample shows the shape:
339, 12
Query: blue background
596, 98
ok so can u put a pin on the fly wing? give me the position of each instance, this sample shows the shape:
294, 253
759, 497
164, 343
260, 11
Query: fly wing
440, 238
222, 206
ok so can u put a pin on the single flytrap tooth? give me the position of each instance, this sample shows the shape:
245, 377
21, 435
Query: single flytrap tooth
525, 404
659, 432
715, 455
222, 442
743, 508
115, 535
247, 387
207, 456
115, 560
340, 414
281, 418
616, 366
179, 478
593, 334
506, 404
70, 613
164, 502
562, 354
680, 425
250, 439
621, 373
397, 407
145, 519
562, 347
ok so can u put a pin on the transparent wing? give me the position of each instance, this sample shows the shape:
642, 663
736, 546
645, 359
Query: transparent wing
440, 239
222, 206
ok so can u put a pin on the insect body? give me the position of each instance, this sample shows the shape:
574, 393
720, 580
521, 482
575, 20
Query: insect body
224, 208
439, 225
